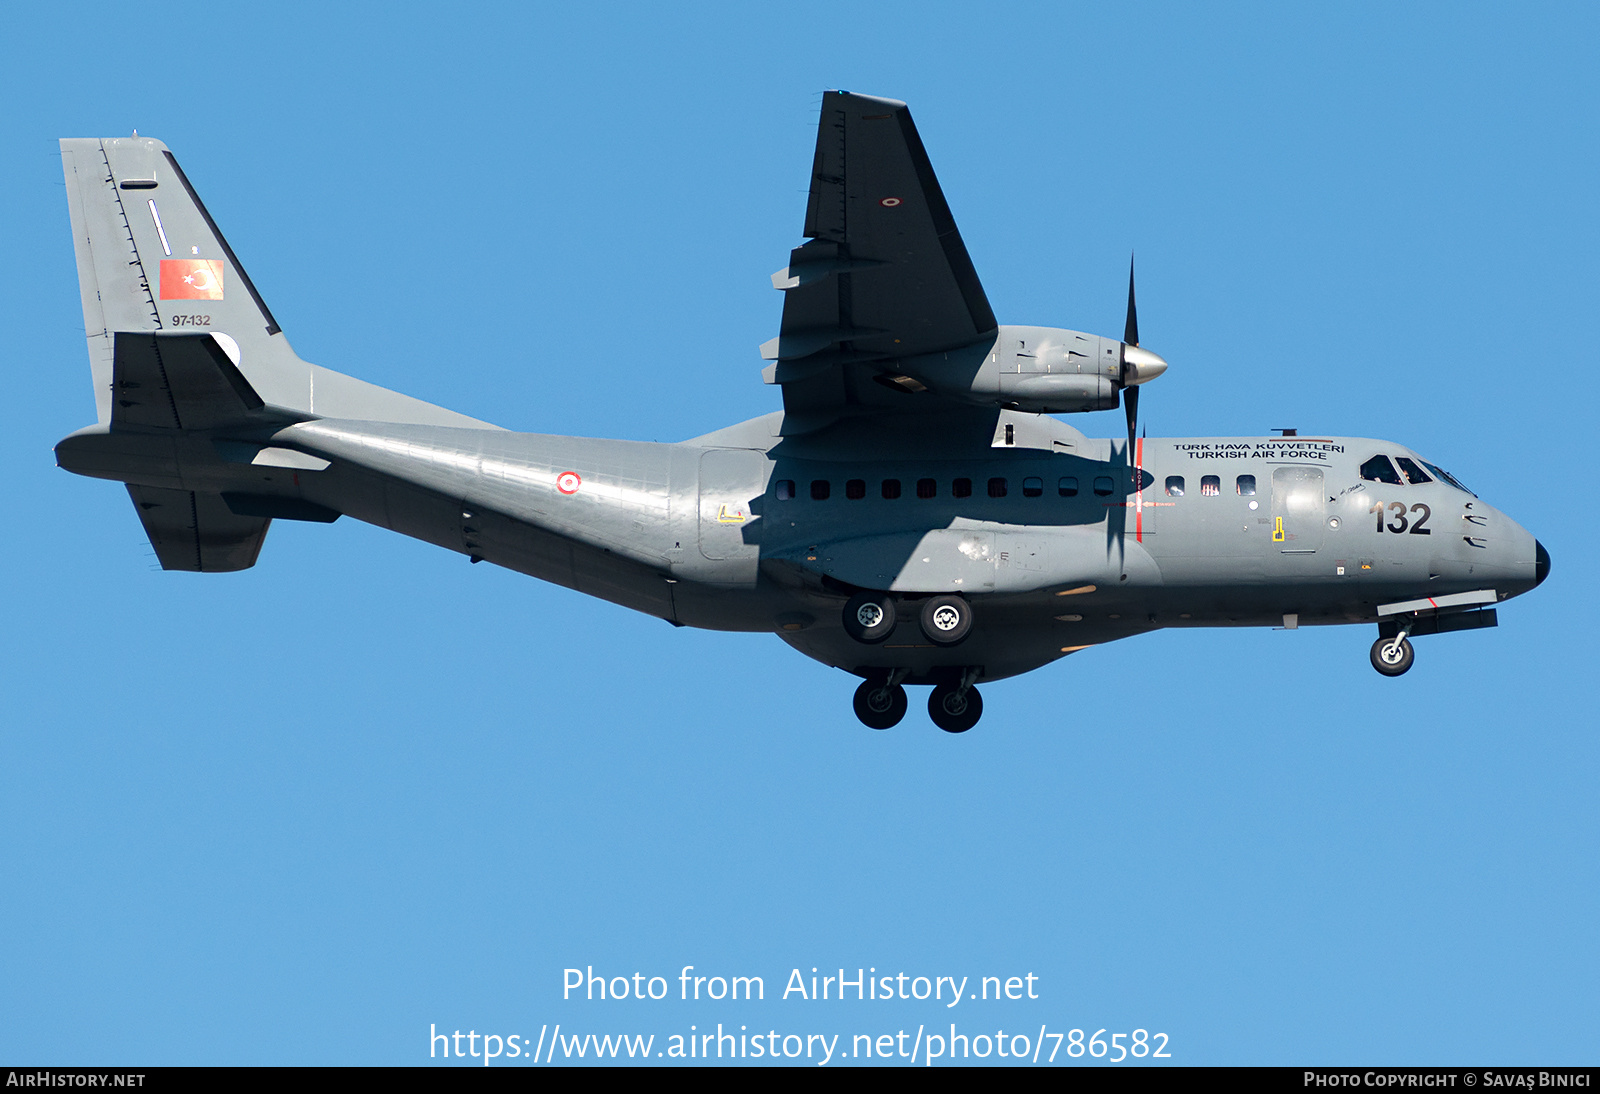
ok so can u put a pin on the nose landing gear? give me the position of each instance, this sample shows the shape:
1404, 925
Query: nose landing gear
1393, 656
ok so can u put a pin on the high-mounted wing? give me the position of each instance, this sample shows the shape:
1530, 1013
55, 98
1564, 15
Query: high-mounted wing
884, 274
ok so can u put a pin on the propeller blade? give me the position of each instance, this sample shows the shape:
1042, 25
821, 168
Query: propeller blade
1130, 332
1130, 403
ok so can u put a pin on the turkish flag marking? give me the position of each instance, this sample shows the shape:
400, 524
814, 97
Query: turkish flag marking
191, 279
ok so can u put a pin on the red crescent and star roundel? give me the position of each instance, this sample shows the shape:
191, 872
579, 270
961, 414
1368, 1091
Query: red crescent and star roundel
568, 482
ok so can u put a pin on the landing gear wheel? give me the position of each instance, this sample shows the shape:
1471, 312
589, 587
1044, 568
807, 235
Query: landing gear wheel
946, 620
954, 710
869, 617
1390, 659
880, 706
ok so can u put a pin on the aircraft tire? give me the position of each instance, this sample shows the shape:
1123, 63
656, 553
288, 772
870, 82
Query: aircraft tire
946, 620
1395, 664
879, 707
955, 711
869, 617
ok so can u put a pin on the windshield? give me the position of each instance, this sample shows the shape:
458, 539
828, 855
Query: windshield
1441, 473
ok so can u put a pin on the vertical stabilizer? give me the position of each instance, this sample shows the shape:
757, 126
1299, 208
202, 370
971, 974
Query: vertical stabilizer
151, 260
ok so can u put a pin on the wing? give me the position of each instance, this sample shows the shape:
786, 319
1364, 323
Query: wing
884, 274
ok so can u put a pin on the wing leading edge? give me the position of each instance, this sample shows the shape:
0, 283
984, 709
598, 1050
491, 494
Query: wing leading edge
884, 274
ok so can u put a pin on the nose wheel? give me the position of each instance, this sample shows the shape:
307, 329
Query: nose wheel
1393, 656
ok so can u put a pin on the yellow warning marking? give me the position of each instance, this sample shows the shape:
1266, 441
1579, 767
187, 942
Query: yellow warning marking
731, 516
1277, 531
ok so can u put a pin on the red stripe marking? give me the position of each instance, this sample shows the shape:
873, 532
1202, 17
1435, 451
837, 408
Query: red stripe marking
1138, 471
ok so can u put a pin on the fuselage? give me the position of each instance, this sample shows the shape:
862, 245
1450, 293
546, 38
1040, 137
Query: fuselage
1043, 529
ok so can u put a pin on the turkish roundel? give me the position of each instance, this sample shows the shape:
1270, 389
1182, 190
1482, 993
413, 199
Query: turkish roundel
191, 279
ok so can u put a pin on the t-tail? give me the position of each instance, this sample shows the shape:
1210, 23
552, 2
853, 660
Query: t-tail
188, 361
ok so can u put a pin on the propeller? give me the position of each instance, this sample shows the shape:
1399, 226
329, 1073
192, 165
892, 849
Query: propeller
1130, 337
1139, 366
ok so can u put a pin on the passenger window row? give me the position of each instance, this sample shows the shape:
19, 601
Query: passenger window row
1211, 486
890, 489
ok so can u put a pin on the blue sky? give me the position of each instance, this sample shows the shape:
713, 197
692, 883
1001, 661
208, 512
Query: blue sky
299, 814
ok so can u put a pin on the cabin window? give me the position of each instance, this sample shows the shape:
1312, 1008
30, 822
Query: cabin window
785, 490
891, 488
1416, 475
1068, 487
819, 489
927, 488
1246, 485
1032, 487
1210, 486
997, 488
1174, 486
961, 488
1379, 469
855, 489
1103, 485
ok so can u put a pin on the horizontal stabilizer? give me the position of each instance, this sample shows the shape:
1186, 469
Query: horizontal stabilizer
197, 532
177, 381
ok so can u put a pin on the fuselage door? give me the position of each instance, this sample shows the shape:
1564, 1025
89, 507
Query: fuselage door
1299, 509
732, 482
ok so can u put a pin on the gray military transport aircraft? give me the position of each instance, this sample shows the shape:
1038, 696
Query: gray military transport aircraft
914, 515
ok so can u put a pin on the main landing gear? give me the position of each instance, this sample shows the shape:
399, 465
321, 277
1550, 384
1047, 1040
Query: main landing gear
870, 617
880, 706
954, 708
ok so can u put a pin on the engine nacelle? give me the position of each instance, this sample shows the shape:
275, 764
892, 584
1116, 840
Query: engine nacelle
1039, 369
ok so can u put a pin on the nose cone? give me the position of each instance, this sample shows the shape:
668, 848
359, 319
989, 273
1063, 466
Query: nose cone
1541, 564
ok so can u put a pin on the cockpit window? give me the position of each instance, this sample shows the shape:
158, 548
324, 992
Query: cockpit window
1441, 473
1414, 474
1379, 469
